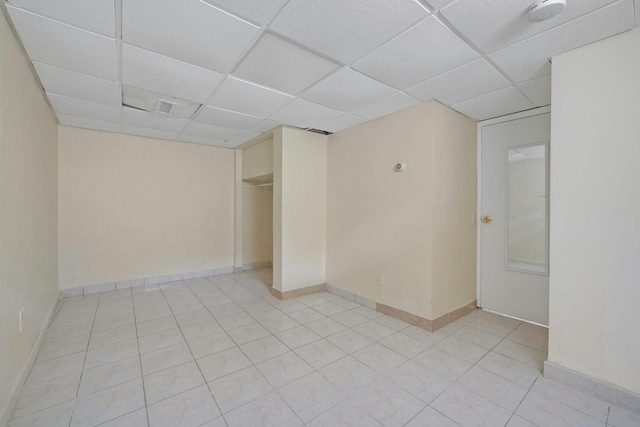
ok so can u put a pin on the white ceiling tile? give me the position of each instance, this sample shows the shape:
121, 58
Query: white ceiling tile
232, 144
436, 4
60, 81
494, 104
209, 131
226, 118
168, 76
98, 16
347, 90
421, 53
283, 65
149, 133
201, 140
248, 98
305, 114
391, 104
346, 30
145, 119
191, 31
82, 108
87, 123
265, 126
529, 59
342, 123
261, 12
55, 43
492, 25
240, 137
538, 90
468, 81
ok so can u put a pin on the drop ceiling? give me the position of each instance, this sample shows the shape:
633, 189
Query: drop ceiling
326, 64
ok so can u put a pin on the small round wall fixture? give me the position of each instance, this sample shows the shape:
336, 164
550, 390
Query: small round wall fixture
541, 10
400, 167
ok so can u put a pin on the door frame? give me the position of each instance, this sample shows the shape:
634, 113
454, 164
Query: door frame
508, 118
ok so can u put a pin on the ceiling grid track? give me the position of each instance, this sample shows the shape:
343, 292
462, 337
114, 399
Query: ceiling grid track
238, 68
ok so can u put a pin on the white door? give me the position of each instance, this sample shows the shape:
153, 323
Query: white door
514, 216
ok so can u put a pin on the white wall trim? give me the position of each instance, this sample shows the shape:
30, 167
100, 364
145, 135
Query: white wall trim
351, 296
132, 283
254, 265
26, 368
599, 389
507, 118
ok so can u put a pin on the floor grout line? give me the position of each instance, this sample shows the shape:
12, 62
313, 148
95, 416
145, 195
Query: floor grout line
246, 292
190, 351
144, 392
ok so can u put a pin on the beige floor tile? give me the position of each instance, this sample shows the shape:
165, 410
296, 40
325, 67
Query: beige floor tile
190, 408
46, 394
429, 417
442, 363
239, 388
109, 375
164, 358
320, 353
468, 409
419, 381
283, 369
349, 374
334, 362
223, 363
171, 381
263, 349
543, 411
310, 396
105, 405
297, 337
388, 403
55, 416
267, 411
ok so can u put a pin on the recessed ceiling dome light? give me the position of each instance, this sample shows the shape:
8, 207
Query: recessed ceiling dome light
541, 10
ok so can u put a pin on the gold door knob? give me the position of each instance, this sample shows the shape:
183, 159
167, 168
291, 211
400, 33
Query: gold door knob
487, 219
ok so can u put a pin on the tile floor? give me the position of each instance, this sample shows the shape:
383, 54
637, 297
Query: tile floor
221, 351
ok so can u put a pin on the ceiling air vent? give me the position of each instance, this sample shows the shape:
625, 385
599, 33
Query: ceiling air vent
163, 106
158, 103
320, 131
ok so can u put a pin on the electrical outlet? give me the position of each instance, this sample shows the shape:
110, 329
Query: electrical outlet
380, 279
20, 314
99, 251
189, 252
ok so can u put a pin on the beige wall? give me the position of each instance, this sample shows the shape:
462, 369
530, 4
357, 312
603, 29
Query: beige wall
28, 218
453, 186
257, 161
257, 204
257, 224
133, 207
413, 227
300, 208
595, 205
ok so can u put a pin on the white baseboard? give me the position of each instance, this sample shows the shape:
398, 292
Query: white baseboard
351, 296
604, 391
131, 283
26, 368
254, 265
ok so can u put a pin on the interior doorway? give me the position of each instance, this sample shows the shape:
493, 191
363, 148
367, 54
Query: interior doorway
513, 213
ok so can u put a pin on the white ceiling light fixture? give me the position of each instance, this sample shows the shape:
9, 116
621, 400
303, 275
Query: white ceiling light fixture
541, 10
